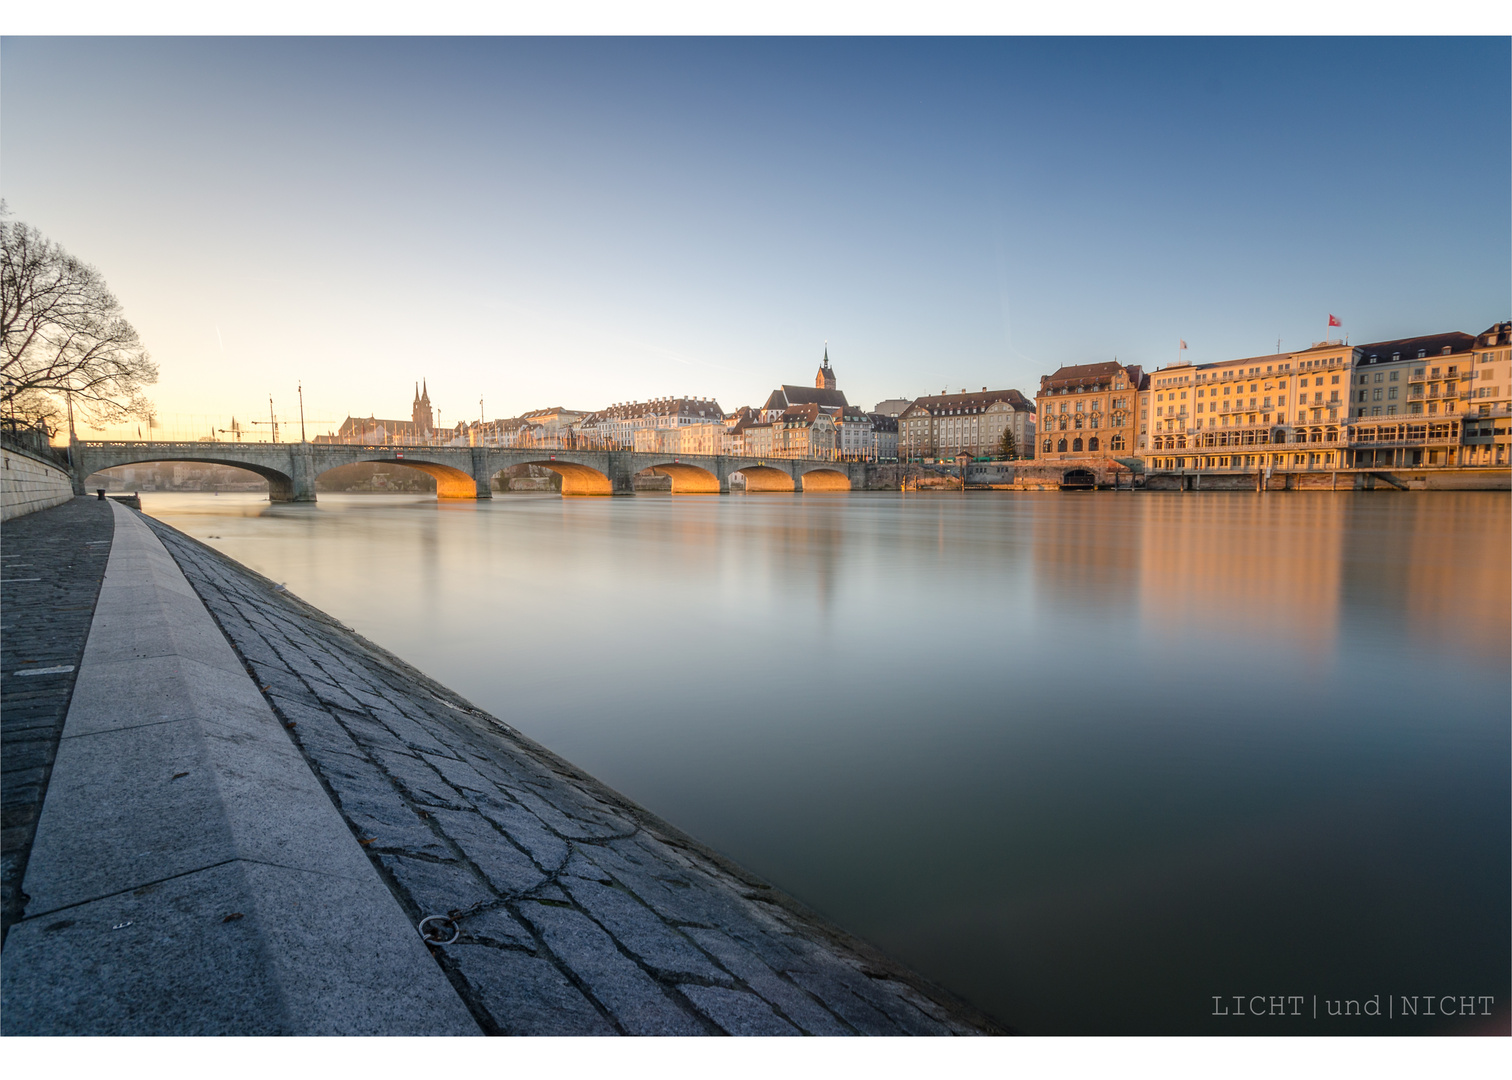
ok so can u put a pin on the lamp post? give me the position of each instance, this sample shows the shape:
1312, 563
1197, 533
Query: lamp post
301, 413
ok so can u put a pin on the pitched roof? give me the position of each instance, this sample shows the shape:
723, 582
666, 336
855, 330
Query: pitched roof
971, 403
709, 409
806, 395
1496, 334
1083, 374
1381, 352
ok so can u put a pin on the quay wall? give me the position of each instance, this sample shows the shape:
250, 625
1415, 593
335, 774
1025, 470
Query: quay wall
29, 483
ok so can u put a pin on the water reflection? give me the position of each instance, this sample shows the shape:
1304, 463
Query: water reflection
1086, 759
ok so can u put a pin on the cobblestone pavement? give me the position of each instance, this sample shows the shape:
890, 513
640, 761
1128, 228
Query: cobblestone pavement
51, 566
577, 912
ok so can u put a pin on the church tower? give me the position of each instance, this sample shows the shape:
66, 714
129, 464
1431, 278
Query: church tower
420, 413
825, 380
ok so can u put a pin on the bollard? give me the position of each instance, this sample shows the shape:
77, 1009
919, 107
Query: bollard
100, 494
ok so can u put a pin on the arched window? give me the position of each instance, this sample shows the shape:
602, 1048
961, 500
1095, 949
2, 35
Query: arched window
1076, 446
1117, 443
1047, 446
1092, 444
1060, 447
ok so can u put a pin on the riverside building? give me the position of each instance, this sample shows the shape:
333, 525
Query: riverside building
946, 425
1486, 413
1088, 411
1404, 403
1407, 401
617, 425
1239, 414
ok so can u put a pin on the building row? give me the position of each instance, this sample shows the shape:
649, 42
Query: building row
1436, 400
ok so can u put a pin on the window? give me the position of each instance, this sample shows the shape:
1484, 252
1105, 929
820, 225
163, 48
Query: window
1379, 376
1076, 446
1047, 445
1117, 443
1391, 393
1377, 395
1092, 444
1394, 375
1362, 394
1060, 447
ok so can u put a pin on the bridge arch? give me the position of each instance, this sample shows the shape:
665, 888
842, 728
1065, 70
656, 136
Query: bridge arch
688, 479
280, 484
451, 482
821, 478
577, 479
760, 478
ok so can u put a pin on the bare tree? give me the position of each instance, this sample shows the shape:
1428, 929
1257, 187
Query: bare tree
66, 342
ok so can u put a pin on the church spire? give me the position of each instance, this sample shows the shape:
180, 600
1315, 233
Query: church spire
825, 380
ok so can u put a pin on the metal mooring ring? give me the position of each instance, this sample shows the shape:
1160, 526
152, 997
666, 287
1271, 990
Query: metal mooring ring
430, 935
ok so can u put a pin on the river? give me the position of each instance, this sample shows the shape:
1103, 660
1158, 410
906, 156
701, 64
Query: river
1097, 762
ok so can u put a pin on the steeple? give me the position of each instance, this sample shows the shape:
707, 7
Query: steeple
825, 380
420, 414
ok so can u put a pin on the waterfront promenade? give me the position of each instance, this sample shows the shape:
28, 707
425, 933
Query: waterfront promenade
253, 809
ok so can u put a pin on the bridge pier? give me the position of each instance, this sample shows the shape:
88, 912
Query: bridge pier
302, 474
621, 472
482, 473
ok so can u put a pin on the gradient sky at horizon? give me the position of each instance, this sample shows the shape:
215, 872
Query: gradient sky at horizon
583, 221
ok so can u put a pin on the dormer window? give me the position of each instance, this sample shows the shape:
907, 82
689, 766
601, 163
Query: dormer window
1422, 353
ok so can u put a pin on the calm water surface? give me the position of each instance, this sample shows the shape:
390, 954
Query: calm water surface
1088, 759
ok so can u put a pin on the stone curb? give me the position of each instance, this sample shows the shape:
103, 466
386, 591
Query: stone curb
190, 874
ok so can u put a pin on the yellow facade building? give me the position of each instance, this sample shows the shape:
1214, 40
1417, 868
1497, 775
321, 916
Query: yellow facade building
1281, 411
1088, 411
1487, 410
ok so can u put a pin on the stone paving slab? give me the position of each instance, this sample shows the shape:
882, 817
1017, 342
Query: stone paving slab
576, 911
51, 565
190, 875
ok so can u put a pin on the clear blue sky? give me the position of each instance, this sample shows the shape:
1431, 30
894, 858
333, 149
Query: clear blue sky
576, 222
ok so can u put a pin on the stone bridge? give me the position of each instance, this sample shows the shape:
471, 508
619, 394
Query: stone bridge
466, 472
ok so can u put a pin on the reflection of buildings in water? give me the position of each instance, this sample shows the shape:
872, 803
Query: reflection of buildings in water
1435, 569
1267, 566
1086, 548
807, 546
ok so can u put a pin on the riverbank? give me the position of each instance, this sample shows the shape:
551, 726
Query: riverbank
564, 909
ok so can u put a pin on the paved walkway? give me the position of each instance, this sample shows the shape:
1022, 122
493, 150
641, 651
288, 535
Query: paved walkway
189, 875
51, 566
574, 911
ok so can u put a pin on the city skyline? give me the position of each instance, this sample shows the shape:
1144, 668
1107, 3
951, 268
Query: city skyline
579, 222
